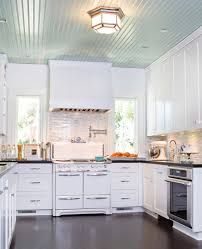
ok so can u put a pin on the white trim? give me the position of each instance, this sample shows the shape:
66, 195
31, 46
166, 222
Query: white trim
188, 231
136, 123
178, 47
12, 112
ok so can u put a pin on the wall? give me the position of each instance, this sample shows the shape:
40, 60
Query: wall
25, 79
28, 79
193, 138
130, 83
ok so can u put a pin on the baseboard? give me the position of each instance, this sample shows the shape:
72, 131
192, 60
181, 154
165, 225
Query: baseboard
151, 213
188, 231
33, 212
81, 211
127, 210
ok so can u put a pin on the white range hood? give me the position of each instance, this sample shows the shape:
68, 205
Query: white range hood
82, 86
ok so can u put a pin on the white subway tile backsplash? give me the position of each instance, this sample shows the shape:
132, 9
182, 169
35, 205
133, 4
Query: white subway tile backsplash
64, 126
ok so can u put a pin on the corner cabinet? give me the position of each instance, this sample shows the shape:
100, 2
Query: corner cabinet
3, 96
155, 188
174, 91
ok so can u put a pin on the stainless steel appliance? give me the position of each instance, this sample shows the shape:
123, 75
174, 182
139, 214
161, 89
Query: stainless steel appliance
180, 195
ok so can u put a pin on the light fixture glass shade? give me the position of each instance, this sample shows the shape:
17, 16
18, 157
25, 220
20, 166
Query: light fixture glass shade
106, 20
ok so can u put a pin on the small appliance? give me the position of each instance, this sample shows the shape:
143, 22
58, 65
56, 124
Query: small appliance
157, 150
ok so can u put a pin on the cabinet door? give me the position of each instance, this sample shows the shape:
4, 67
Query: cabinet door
160, 191
148, 186
179, 120
192, 91
2, 231
167, 75
148, 193
151, 105
200, 80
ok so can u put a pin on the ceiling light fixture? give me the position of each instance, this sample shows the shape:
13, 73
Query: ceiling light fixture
3, 20
164, 30
106, 20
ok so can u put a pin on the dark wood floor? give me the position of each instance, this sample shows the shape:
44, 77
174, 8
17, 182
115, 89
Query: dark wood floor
98, 232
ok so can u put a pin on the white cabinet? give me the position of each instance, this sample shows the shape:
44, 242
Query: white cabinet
126, 190
155, 188
7, 208
3, 96
160, 190
34, 188
97, 201
174, 91
200, 80
148, 187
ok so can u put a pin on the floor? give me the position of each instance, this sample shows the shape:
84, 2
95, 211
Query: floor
139, 231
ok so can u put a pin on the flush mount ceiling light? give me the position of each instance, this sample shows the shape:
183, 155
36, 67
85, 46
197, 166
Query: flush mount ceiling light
3, 20
106, 20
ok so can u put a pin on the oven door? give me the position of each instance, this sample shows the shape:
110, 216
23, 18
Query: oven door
180, 201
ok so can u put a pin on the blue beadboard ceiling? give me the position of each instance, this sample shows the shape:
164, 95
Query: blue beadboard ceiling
38, 30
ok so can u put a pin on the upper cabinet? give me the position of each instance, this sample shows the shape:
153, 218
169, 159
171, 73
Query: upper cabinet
174, 91
3, 96
80, 85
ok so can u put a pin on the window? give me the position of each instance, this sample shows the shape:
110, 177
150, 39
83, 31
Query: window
28, 119
126, 125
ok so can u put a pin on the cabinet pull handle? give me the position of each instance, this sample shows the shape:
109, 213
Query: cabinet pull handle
69, 199
15, 173
96, 198
125, 167
35, 182
125, 181
97, 174
5, 188
1, 192
34, 200
125, 198
69, 174
35, 168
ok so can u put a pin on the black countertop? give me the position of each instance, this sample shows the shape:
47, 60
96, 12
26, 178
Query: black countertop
28, 161
138, 160
168, 163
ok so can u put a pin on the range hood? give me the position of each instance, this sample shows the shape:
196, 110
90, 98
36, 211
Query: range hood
80, 86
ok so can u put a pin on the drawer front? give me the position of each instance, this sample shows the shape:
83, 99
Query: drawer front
124, 199
35, 183
69, 183
69, 202
34, 201
97, 183
124, 167
124, 181
34, 168
97, 201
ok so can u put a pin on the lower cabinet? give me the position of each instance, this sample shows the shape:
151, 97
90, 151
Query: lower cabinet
7, 208
155, 188
126, 190
160, 190
34, 189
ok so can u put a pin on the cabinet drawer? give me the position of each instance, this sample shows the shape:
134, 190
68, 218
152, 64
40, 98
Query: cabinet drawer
124, 167
34, 201
69, 184
97, 201
124, 199
34, 168
35, 182
96, 183
69, 202
124, 181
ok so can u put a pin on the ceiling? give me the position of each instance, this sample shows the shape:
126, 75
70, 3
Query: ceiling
38, 30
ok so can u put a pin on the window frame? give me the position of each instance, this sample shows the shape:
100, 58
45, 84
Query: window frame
40, 115
136, 138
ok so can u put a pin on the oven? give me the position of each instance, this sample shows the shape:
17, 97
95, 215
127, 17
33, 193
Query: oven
180, 195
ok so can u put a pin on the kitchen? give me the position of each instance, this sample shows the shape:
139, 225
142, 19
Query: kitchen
100, 132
